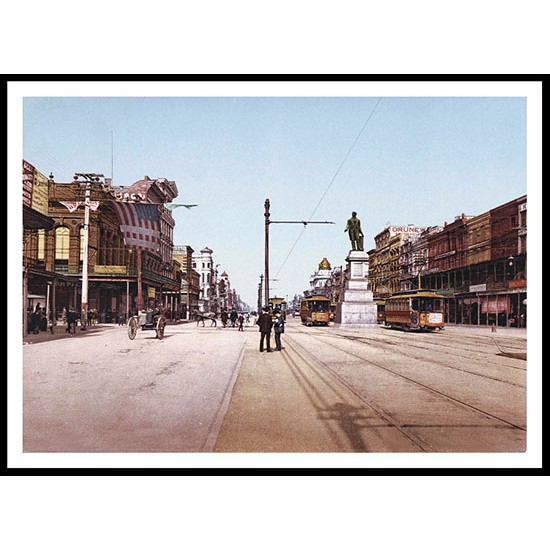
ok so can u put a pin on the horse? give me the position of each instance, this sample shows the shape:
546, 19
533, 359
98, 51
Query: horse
208, 315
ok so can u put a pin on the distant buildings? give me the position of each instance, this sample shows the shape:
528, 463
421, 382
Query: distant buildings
479, 263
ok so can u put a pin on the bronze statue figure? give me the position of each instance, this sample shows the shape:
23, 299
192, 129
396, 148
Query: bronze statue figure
353, 227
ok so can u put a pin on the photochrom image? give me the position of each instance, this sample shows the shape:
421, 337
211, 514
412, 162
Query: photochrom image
227, 274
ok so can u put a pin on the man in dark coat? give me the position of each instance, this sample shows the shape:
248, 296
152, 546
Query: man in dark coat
278, 329
265, 322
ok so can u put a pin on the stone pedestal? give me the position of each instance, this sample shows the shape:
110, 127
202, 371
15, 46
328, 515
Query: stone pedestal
357, 308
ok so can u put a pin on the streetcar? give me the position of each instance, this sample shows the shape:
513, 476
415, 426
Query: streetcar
278, 304
419, 310
315, 310
380, 311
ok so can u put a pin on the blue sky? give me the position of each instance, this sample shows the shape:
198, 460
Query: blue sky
419, 160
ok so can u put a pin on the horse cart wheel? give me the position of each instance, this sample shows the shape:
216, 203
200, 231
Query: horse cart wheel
132, 328
161, 323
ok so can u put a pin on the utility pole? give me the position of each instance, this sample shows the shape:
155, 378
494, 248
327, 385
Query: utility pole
88, 179
268, 221
260, 294
266, 270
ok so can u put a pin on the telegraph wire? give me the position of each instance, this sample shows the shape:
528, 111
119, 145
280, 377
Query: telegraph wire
330, 183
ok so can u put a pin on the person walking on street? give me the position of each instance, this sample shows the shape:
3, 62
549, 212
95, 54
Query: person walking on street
233, 317
224, 318
240, 320
265, 322
278, 329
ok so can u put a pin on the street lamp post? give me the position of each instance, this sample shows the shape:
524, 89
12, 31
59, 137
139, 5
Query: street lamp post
268, 221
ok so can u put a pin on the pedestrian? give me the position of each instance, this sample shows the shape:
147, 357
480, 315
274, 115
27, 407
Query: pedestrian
51, 321
241, 322
224, 318
278, 329
121, 318
265, 322
34, 325
233, 317
71, 321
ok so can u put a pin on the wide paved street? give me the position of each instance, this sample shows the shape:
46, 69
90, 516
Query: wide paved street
330, 390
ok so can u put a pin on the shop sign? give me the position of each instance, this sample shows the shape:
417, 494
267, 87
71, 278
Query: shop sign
498, 304
40, 193
151, 292
478, 288
28, 180
110, 270
517, 283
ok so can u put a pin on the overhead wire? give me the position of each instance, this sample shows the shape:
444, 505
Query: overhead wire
331, 182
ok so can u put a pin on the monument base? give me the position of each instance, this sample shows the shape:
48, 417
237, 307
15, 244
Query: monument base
357, 310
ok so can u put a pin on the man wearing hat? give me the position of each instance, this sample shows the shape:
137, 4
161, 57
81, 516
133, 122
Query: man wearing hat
265, 322
278, 329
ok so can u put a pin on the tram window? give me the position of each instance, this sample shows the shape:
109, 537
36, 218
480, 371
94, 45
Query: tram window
415, 304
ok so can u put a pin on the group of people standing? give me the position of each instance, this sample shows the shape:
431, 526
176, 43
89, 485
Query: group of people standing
37, 320
266, 323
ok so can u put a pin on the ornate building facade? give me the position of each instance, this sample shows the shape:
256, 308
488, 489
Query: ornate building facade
120, 278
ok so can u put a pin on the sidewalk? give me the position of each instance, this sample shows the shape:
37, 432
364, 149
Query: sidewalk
510, 332
60, 332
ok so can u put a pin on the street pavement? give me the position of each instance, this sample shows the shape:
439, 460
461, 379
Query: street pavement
202, 390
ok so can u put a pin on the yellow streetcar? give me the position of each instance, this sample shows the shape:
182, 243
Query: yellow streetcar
414, 310
315, 310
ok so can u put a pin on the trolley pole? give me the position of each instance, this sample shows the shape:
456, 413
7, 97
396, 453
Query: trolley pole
266, 274
268, 221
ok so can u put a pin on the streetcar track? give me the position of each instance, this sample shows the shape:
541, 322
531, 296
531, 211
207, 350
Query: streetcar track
472, 338
426, 348
313, 393
414, 438
381, 345
422, 359
420, 384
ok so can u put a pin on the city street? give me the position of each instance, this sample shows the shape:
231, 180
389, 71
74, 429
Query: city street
208, 389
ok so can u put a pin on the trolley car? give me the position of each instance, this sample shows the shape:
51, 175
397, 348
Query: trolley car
414, 310
315, 310
278, 304
380, 311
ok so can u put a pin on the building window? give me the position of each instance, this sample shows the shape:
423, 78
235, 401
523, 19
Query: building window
61, 256
62, 243
41, 245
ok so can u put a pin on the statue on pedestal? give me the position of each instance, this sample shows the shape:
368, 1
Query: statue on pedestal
353, 227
